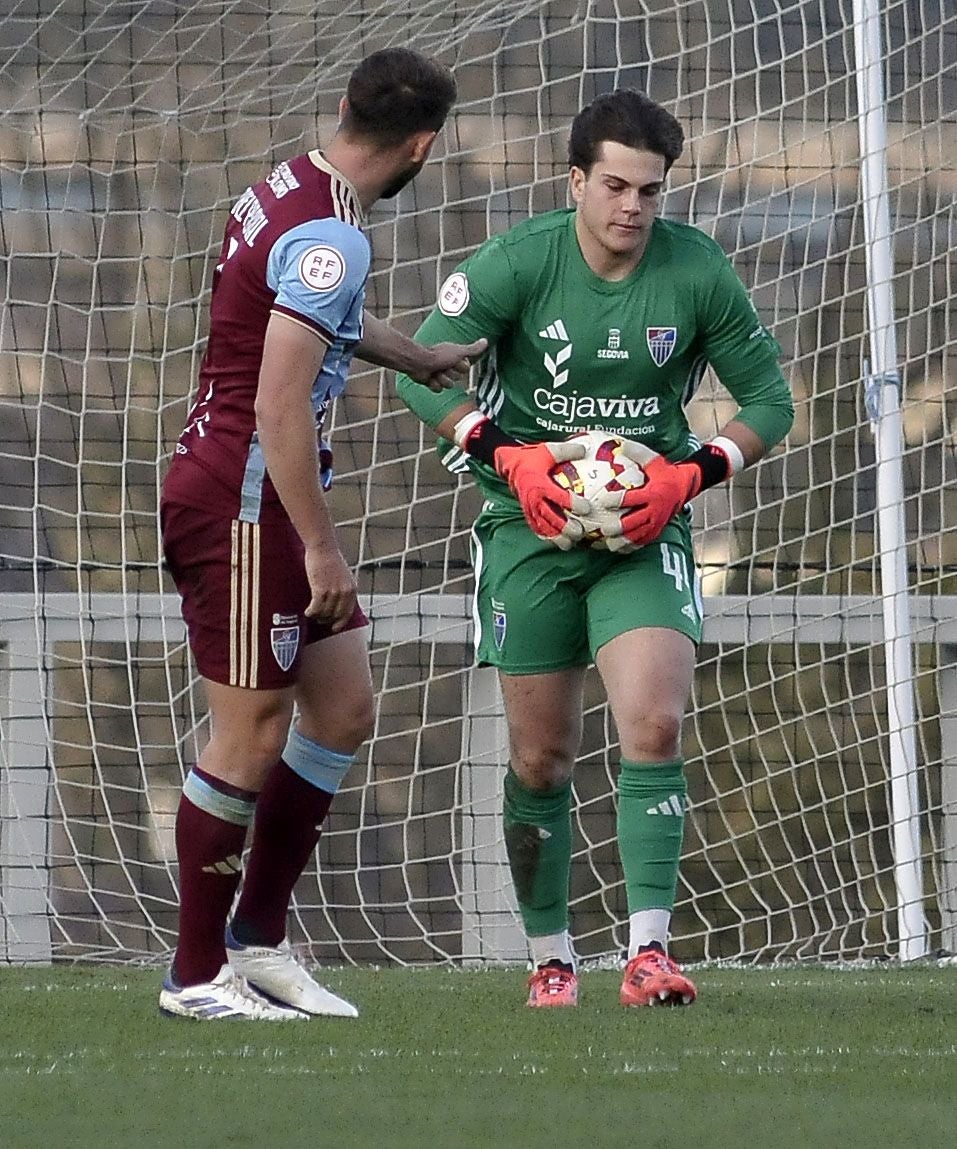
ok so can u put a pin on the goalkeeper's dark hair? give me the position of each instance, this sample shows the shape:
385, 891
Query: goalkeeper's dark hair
624, 116
395, 93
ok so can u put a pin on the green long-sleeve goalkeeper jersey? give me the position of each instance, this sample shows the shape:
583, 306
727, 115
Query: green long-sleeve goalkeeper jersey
569, 351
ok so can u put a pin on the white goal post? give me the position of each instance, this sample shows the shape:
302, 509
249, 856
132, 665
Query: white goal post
822, 739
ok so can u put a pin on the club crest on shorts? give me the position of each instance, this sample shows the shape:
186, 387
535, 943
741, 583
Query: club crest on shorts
285, 642
499, 622
661, 343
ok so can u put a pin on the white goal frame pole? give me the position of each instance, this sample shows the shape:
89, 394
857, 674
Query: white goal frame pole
883, 401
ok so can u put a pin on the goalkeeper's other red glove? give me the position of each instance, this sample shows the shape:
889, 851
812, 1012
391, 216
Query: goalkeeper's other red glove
667, 487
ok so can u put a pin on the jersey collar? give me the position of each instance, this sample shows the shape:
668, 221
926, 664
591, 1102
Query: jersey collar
341, 187
595, 281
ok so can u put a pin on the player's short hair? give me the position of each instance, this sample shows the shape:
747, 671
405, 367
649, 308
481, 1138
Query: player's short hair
395, 93
624, 116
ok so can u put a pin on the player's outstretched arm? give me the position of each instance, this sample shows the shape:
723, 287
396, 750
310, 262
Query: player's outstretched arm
527, 468
669, 486
437, 367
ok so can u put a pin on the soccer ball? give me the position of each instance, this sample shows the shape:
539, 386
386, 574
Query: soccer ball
604, 468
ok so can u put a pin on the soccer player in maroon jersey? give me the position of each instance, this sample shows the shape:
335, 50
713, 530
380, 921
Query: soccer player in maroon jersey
269, 601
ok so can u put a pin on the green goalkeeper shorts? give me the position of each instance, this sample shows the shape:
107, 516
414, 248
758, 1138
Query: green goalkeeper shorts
539, 609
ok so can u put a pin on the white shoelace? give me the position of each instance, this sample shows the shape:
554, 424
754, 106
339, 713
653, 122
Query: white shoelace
244, 999
290, 955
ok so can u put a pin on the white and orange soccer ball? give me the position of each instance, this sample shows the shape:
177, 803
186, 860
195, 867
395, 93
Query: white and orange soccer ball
605, 467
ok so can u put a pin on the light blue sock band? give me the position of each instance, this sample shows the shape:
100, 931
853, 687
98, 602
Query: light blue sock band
322, 768
215, 802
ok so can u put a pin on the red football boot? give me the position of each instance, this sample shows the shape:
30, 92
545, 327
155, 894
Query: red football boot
553, 985
652, 978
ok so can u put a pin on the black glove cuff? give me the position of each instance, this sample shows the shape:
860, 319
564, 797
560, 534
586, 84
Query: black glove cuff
485, 440
713, 463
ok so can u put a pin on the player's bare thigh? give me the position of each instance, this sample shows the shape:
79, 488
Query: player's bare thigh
334, 691
248, 732
544, 716
647, 674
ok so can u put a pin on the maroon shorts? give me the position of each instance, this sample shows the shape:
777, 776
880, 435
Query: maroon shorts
244, 592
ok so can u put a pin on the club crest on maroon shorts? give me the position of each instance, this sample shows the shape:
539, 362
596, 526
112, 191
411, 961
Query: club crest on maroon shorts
285, 642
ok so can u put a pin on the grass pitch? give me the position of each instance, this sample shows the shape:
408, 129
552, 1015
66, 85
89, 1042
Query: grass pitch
445, 1059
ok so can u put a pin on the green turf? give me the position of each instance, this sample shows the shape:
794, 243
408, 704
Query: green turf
446, 1059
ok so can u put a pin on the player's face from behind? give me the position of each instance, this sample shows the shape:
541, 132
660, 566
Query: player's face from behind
617, 202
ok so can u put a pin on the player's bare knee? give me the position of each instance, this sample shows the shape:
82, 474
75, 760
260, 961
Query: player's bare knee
355, 725
250, 729
655, 738
344, 731
360, 716
542, 768
266, 730
266, 738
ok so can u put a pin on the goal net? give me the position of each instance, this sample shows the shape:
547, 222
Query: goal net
126, 130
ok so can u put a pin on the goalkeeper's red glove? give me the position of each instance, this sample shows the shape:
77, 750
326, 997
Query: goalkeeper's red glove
527, 468
667, 487
528, 471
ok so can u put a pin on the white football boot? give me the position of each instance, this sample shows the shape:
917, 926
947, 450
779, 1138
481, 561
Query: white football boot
276, 972
226, 996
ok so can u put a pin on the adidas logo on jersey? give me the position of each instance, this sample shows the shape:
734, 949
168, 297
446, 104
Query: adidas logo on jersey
672, 807
554, 366
554, 330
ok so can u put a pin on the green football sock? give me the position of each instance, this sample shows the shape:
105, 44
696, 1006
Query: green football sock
538, 841
651, 816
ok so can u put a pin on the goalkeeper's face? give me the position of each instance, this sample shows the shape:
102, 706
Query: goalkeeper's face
617, 199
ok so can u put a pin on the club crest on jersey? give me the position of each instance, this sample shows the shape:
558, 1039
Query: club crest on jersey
322, 268
499, 623
285, 642
454, 294
661, 343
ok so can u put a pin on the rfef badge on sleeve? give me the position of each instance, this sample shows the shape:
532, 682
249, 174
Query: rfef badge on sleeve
322, 268
454, 294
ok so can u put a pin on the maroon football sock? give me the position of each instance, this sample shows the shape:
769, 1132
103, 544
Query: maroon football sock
209, 850
289, 814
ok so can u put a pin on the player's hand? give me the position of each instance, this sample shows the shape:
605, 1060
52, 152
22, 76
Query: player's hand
649, 508
325, 464
527, 470
334, 594
446, 364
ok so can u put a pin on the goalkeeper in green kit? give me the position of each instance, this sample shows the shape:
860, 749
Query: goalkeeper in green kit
599, 317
